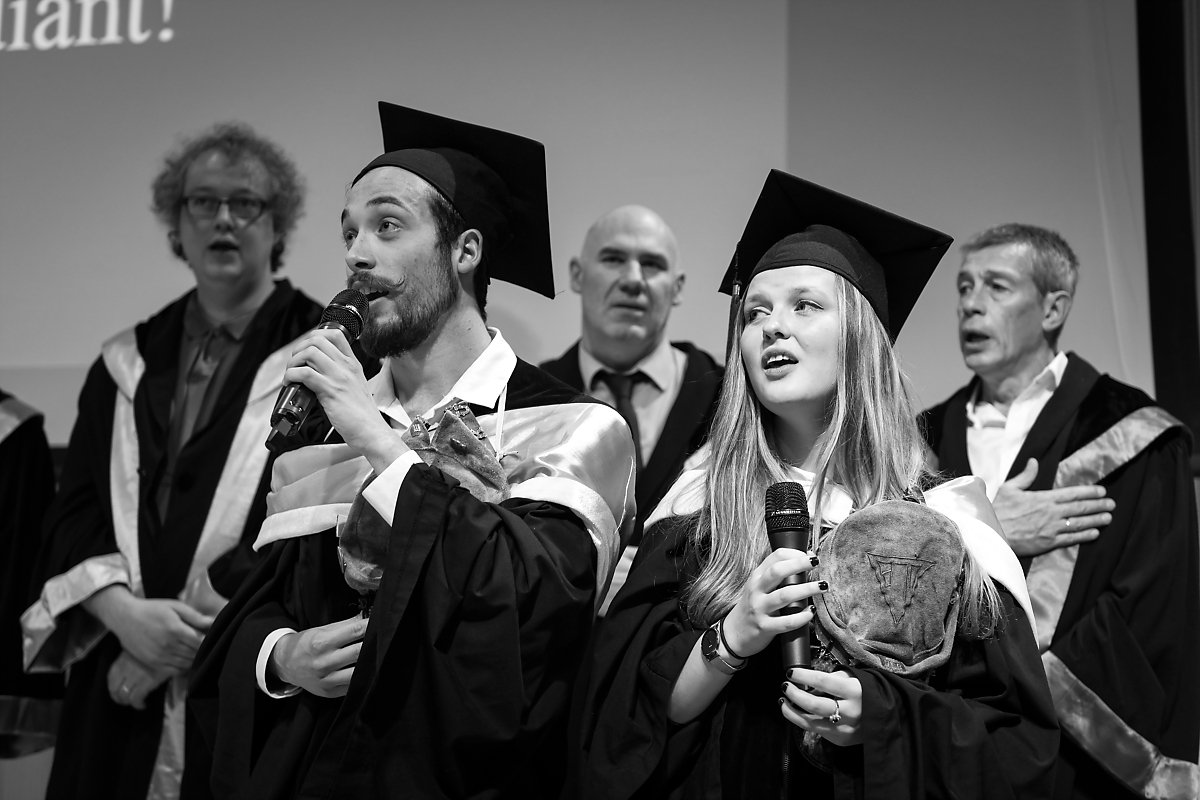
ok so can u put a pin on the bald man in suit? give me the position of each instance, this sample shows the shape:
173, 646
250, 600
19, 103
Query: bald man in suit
628, 277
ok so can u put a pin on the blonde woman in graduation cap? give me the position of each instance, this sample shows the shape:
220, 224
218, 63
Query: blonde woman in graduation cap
926, 679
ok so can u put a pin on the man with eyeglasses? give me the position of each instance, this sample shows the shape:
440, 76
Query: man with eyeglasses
166, 474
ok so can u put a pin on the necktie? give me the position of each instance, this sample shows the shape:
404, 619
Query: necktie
622, 388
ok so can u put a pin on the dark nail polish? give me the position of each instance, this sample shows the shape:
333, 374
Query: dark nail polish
783, 688
781, 701
814, 561
823, 586
812, 607
789, 672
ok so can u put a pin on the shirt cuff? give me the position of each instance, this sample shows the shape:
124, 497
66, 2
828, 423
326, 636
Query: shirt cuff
381, 493
260, 666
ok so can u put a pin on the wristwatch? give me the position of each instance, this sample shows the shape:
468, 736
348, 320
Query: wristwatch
710, 644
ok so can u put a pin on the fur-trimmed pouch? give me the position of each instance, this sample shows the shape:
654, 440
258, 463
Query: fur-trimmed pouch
452, 442
895, 571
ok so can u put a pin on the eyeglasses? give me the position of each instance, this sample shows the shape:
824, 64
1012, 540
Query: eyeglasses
244, 208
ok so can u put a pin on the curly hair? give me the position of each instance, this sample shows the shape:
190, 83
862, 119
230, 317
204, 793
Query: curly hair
239, 143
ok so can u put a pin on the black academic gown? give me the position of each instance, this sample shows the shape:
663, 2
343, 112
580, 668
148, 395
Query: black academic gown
982, 727
105, 749
463, 683
28, 703
684, 431
1121, 648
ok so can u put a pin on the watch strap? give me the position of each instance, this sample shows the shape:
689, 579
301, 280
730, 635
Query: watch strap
713, 655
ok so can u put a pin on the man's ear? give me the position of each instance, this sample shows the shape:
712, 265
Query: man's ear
467, 251
676, 298
1055, 308
576, 270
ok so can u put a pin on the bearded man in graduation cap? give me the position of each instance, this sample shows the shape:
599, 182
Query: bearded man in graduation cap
492, 505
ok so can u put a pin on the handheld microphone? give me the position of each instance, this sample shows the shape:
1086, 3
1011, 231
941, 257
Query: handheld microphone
346, 313
788, 525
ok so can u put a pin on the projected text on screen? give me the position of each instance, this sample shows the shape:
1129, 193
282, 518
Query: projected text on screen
60, 24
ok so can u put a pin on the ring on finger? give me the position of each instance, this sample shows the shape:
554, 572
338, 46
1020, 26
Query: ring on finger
124, 690
1068, 523
836, 716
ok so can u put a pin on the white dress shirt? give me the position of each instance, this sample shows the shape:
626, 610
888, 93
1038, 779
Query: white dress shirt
994, 439
652, 399
483, 384
652, 402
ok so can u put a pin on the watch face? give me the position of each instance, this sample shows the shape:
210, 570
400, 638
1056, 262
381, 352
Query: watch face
708, 644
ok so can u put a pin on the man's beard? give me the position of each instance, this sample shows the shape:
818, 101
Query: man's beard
417, 315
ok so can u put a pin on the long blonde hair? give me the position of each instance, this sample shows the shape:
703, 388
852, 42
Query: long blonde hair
871, 447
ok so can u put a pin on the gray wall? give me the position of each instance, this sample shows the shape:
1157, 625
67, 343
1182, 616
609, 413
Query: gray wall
677, 105
955, 114
964, 115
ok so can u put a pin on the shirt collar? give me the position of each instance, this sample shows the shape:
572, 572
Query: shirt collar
658, 366
1047, 380
196, 323
480, 385
836, 503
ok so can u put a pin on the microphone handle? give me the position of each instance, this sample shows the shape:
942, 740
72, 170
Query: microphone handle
294, 403
795, 644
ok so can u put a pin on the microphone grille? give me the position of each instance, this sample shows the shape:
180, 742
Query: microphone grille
787, 506
348, 308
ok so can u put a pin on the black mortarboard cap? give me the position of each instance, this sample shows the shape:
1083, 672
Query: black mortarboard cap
889, 259
495, 180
